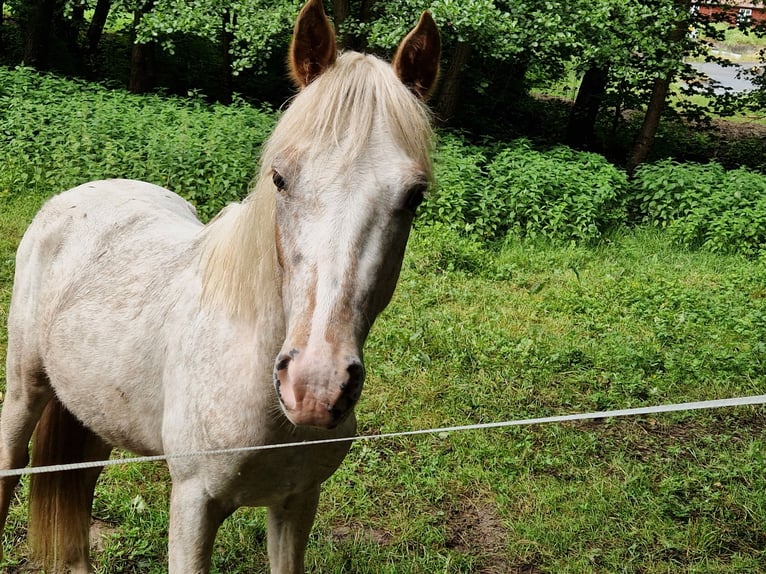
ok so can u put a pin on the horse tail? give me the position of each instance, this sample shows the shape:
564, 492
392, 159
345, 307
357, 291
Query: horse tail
60, 503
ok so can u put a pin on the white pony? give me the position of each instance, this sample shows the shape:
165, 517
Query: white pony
132, 324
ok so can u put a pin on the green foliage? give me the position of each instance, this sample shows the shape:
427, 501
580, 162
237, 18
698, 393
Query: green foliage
705, 206
490, 192
56, 134
488, 25
513, 44
449, 251
666, 190
560, 194
460, 185
256, 27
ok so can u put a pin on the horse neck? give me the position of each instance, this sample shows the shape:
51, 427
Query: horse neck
240, 273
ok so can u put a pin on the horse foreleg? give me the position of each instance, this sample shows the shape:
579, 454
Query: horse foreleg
289, 524
194, 522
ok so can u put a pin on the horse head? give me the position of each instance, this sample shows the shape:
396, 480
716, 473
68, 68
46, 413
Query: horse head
349, 164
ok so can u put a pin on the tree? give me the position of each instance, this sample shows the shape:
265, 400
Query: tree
494, 50
348, 17
469, 28
661, 87
600, 29
142, 53
97, 23
228, 23
582, 117
2, 21
39, 26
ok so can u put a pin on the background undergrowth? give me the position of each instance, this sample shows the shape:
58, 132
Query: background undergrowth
537, 282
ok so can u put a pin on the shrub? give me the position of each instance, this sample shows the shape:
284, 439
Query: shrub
460, 181
732, 219
560, 194
55, 134
704, 205
666, 191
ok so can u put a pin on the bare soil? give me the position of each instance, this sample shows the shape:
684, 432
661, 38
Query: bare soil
474, 527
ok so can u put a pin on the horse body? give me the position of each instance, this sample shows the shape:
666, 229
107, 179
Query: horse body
91, 312
133, 325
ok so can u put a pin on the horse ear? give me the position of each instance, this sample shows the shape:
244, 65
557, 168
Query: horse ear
417, 59
313, 48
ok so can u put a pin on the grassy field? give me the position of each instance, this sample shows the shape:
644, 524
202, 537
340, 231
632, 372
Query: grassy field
528, 329
746, 46
520, 329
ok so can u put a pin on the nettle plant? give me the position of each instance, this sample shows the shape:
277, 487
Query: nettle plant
460, 186
704, 206
559, 194
666, 191
57, 133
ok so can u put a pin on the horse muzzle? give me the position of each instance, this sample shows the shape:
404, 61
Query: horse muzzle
317, 390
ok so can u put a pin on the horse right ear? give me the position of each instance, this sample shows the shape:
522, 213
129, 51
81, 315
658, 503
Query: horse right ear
313, 48
417, 59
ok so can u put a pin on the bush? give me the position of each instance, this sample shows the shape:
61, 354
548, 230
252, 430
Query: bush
460, 184
732, 219
666, 191
704, 205
561, 194
55, 134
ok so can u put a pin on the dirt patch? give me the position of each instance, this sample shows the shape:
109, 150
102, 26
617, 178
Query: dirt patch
475, 528
471, 527
357, 532
99, 532
646, 438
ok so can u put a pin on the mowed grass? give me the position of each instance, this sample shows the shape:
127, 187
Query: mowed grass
526, 329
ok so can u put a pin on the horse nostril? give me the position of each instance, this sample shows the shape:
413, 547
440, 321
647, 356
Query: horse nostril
283, 361
353, 385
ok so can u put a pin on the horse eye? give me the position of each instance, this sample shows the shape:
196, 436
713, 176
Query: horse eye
415, 196
279, 181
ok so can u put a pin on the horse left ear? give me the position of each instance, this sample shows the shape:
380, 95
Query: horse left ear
417, 59
313, 48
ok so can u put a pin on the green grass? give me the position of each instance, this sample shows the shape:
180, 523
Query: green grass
527, 328
735, 41
530, 329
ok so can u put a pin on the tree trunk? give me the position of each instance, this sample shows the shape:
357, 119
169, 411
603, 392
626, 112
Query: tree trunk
37, 44
365, 15
141, 68
70, 28
340, 12
226, 38
449, 95
97, 23
141, 58
645, 139
582, 118
2, 19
